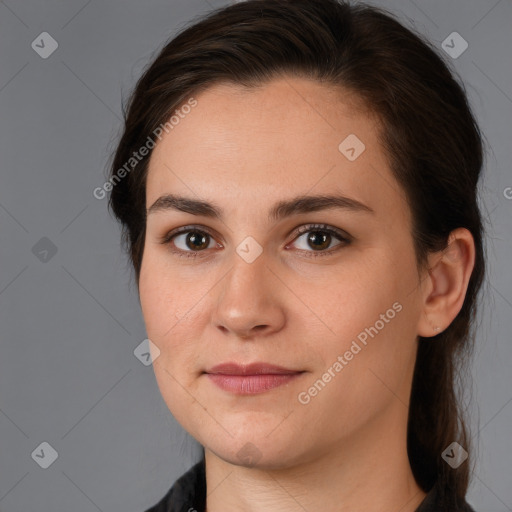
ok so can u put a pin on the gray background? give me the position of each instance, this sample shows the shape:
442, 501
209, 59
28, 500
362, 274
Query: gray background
70, 321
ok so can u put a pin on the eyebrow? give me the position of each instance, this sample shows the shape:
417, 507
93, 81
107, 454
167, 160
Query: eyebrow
281, 210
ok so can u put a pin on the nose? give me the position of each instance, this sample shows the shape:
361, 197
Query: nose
249, 302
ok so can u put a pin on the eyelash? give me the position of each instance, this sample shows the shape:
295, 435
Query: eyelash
343, 237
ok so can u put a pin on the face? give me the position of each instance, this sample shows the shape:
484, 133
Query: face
325, 288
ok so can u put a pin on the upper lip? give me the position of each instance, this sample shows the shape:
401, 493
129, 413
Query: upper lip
250, 369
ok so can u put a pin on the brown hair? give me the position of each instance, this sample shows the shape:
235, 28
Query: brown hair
430, 136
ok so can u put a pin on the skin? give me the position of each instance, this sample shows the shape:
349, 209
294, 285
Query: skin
245, 150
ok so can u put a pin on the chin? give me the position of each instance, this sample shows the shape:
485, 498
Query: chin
257, 450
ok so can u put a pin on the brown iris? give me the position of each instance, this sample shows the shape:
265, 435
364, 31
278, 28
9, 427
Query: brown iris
199, 240
319, 240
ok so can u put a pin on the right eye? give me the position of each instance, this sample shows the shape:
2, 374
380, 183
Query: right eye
189, 241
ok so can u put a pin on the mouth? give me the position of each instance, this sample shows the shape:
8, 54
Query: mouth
250, 379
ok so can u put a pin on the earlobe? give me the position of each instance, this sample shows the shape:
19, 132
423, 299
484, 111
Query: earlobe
447, 282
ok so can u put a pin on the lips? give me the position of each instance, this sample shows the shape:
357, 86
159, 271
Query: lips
250, 369
250, 379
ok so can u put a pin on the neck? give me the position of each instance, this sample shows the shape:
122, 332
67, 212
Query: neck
369, 471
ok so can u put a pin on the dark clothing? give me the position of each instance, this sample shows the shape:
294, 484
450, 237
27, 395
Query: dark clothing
188, 494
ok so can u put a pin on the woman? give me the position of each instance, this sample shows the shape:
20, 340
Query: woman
300, 210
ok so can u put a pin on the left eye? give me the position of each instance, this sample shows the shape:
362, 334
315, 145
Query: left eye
319, 238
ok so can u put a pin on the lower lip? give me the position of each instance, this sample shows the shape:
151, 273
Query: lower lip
251, 384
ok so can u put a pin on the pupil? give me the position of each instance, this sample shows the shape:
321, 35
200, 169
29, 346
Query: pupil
197, 240
323, 238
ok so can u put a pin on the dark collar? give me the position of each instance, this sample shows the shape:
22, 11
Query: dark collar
188, 494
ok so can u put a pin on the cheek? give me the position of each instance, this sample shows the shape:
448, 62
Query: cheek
164, 296
372, 315
173, 308
372, 374
354, 296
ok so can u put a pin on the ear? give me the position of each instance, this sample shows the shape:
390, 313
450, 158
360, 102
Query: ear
445, 286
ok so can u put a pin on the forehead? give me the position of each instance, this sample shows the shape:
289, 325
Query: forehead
286, 137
